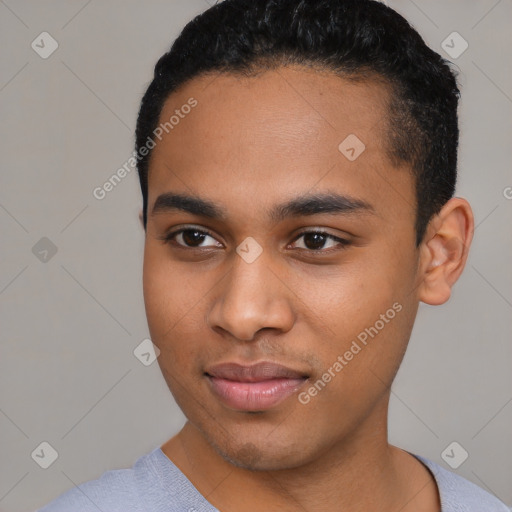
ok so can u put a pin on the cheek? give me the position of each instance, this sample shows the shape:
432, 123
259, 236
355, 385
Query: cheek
372, 344
157, 286
175, 310
369, 315
348, 298
166, 291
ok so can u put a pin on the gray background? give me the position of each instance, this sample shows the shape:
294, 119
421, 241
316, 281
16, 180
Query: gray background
69, 325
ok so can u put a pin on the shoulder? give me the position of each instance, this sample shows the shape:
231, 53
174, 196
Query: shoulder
114, 491
153, 484
459, 494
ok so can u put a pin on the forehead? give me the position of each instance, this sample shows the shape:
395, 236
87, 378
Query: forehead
285, 106
279, 131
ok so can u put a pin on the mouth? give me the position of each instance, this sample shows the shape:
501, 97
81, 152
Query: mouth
256, 387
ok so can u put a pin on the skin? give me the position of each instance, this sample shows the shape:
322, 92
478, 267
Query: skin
252, 143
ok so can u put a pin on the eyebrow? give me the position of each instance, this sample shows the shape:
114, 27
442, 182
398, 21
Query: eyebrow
305, 205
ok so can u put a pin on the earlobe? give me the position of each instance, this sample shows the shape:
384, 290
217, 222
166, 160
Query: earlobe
444, 251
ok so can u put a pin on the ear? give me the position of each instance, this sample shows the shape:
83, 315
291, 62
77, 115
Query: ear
444, 251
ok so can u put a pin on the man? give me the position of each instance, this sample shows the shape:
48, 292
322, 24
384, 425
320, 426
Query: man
297, 160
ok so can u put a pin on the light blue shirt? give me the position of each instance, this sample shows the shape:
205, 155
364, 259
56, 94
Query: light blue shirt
155, 484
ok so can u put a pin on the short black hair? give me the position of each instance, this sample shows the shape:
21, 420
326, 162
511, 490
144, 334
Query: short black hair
356, 39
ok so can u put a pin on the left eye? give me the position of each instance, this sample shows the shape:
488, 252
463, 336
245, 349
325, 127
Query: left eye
316, 240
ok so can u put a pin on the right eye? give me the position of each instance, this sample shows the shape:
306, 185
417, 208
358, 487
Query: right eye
188, 238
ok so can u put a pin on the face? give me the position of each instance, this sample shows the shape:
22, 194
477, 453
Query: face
280, 268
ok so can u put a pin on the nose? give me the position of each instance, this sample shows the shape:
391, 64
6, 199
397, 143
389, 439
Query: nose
251, 297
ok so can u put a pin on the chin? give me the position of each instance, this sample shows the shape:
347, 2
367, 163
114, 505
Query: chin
257, 453
254, 458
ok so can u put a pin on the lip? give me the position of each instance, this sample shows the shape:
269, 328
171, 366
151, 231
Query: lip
256, 387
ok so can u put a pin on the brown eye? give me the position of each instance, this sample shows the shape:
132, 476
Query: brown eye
192, 237
189, 238
316, 240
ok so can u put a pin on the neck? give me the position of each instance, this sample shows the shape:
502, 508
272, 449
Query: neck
359, 473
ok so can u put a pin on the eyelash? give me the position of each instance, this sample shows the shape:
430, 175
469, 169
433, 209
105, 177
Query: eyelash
169, 238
